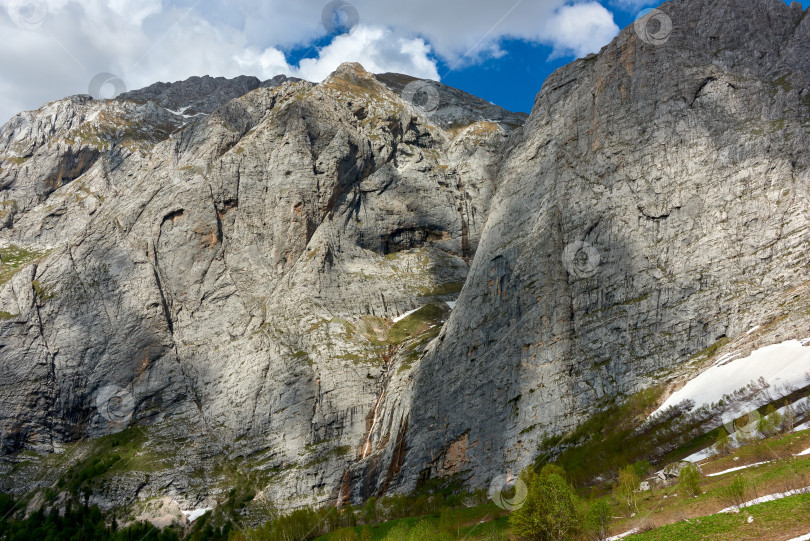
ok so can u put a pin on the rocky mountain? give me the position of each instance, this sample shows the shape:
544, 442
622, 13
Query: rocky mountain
200, 94
227, 281
330, 291
655, 204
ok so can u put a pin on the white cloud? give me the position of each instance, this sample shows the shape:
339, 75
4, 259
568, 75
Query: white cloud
580, 29
377, 49
144, 41
270, 61
465, 31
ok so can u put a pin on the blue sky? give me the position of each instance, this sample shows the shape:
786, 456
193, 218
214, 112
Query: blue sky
501, 51
513, 80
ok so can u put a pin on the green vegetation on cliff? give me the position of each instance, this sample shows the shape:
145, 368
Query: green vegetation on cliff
75, 523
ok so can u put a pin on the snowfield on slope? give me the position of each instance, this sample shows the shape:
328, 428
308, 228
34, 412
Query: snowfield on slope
194, 514
803, 426
711, 450
738, 468
785, 366
406, 314
763, 499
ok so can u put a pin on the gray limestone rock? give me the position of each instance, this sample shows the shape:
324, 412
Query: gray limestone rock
199, 94
324, 292
654, 204
229, 286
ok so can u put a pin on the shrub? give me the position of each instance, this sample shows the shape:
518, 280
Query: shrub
723, 443
78, 522
370, 512
344, 534
736, 492
689, 480
642, 469
490, 532
626, 488
551, 510
789, 418
597, 519
398, 533
770, 423
450, 522
423, 531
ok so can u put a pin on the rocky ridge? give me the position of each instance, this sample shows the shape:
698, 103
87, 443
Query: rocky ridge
654, 205
234, 277
238, 274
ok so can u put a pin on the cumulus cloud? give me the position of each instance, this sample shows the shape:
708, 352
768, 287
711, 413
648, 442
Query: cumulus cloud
580, 29
377, 49
464, 31
53, 48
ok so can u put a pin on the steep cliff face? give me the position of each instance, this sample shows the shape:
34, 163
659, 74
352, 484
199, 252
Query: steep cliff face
262, 282
655, 203
228, 282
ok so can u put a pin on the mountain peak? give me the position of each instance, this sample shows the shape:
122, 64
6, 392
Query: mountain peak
361, 286
351, 69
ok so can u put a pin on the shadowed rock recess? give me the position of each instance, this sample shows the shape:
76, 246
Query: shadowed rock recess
233, 259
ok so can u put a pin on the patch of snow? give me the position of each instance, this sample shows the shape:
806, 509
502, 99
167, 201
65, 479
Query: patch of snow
622, 535
798, 405
803, 453
182, 110
194, 514
728, 357
783, 365
710, 451
803, 426
738, 468
734, 443
406, 314
753, 329
701, 455
768, 498
805, 537
451, 304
